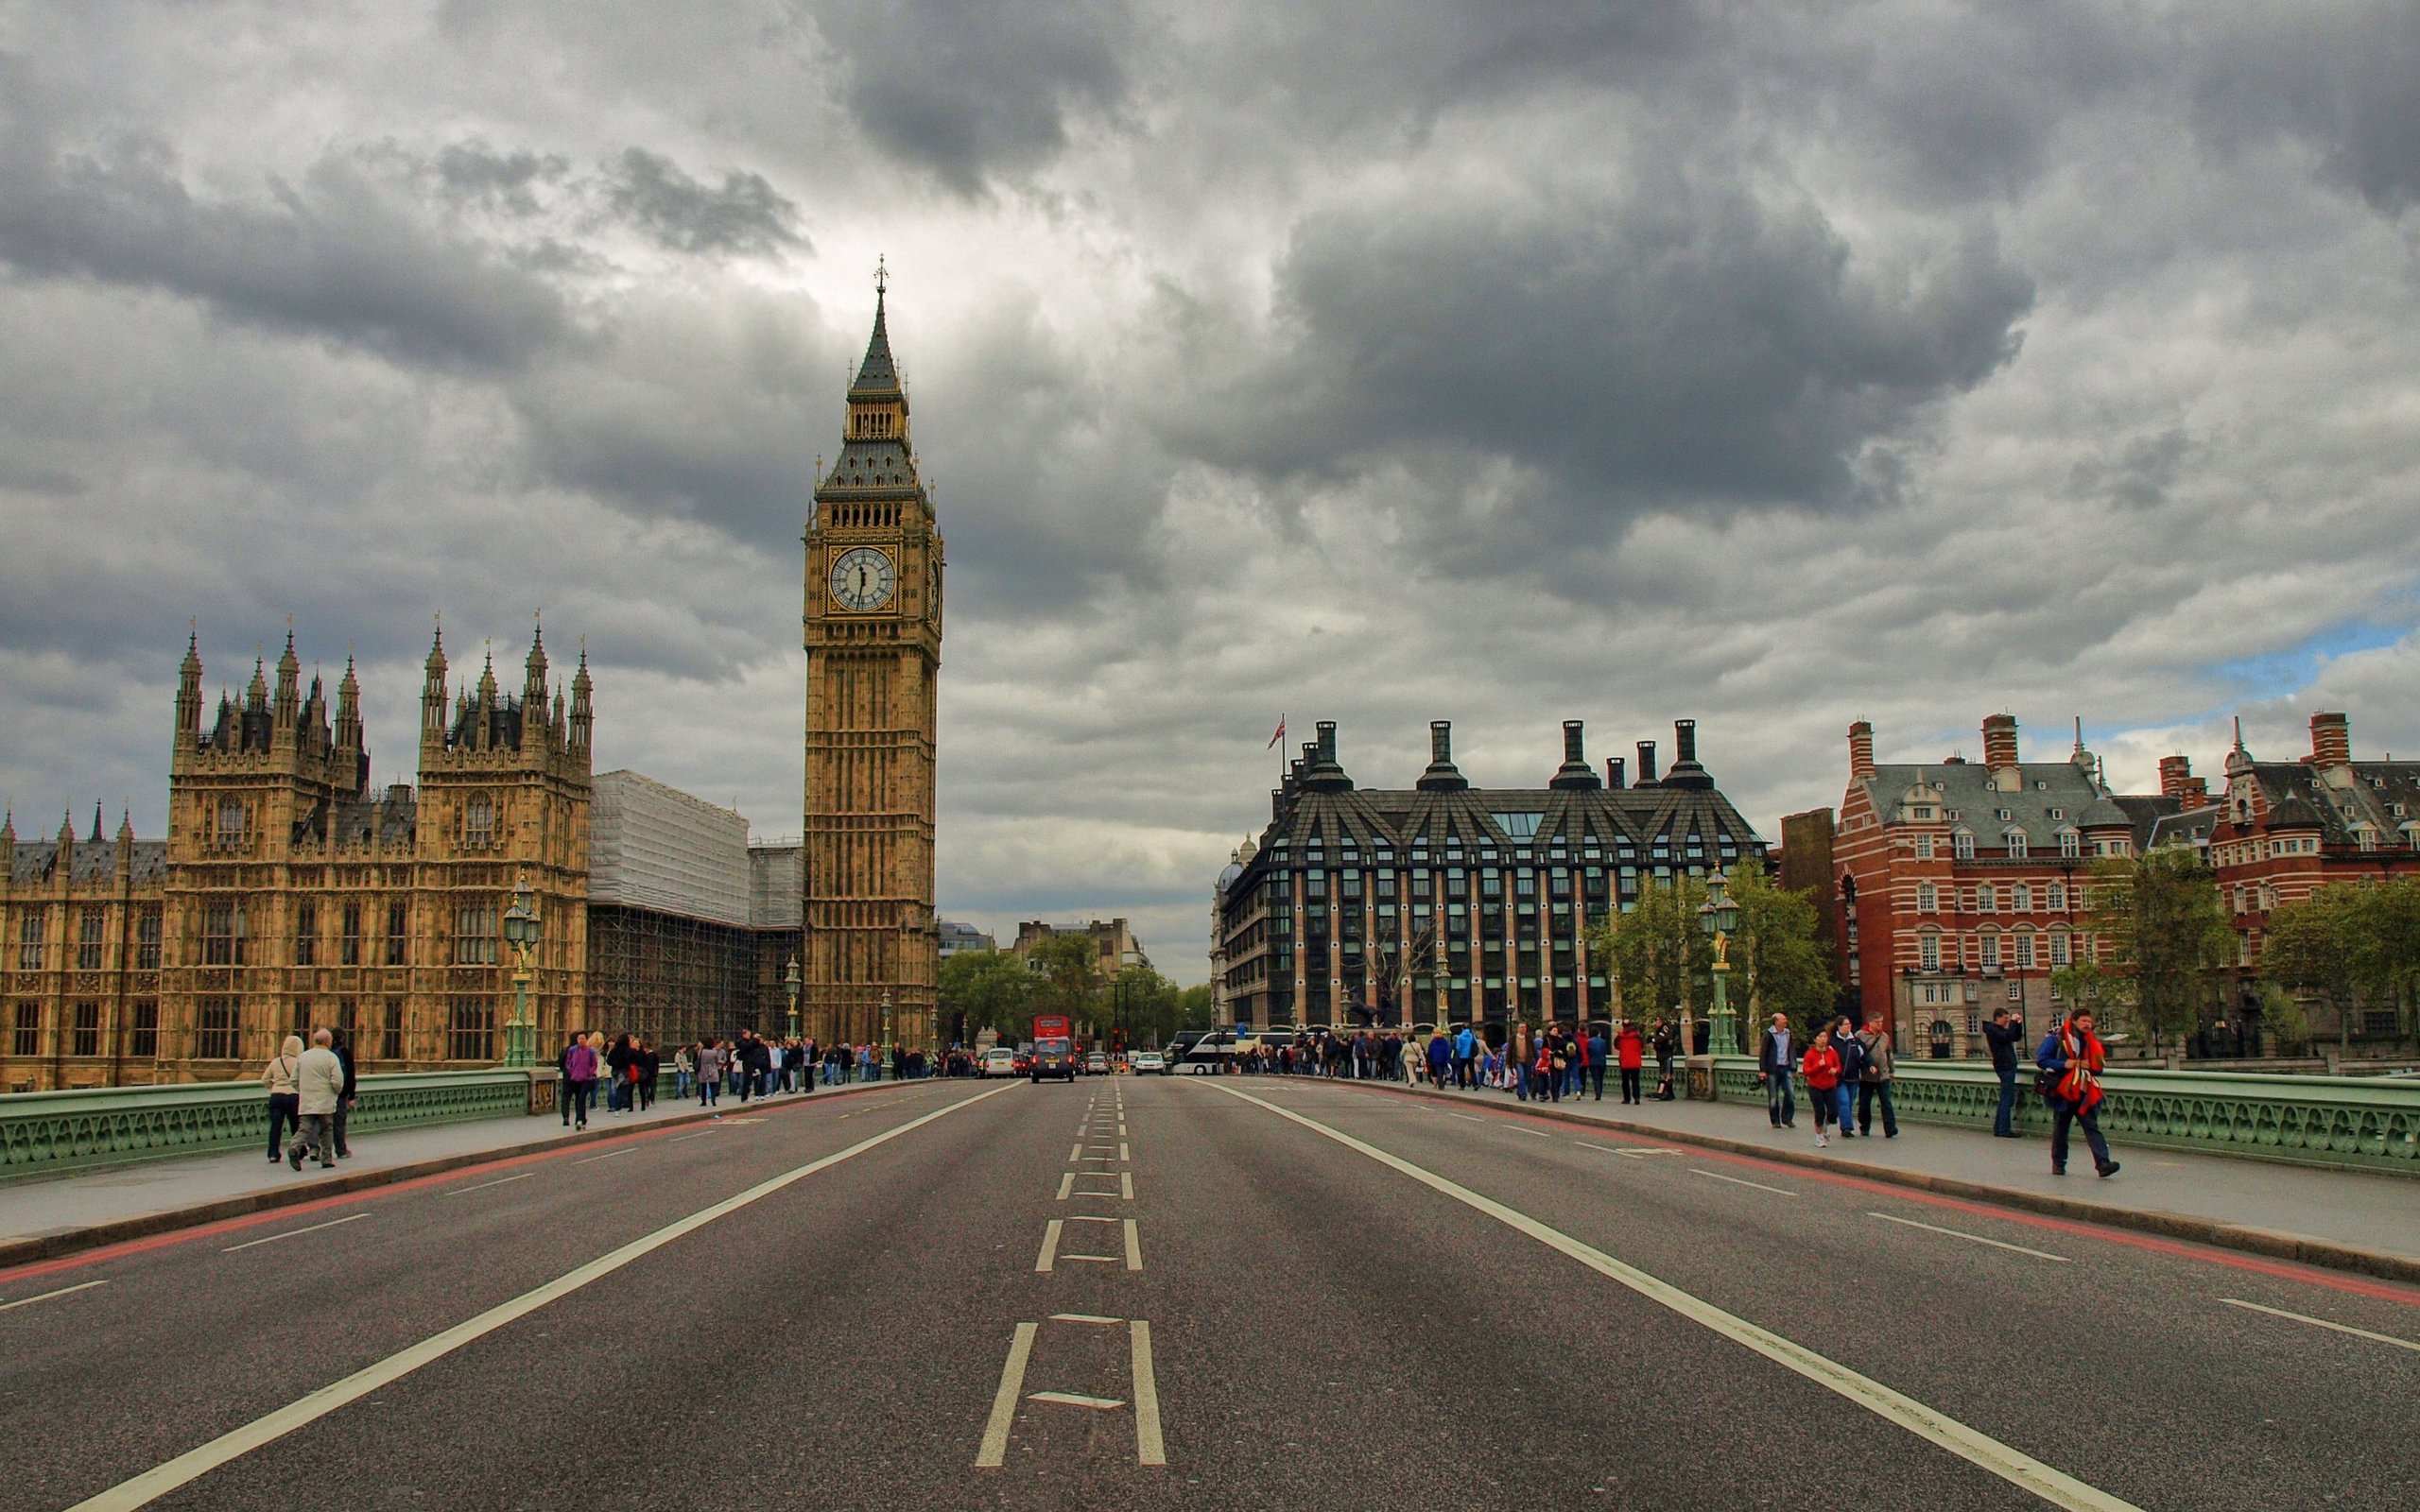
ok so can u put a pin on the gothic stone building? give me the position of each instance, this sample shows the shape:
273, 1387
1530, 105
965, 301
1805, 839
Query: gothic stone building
289, 894
1446, 902
874, 649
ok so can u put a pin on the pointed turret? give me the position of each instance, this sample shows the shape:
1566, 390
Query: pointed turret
8, 845
432, 694
877, 402
256, 696
349, 708
189, 691
97, 821
66, 838
289, 685
582, 714
533, 686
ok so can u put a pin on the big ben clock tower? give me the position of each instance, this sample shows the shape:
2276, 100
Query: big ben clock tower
873, 651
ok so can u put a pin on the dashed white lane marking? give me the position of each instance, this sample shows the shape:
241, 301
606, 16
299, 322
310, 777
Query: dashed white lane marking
1533, 1133
1077, 1152
1148, 1448
1126, 1182
1068, 1399
703, 1133
607, 1156
28, 1301
1974, 1239
1467, 1118
1976, 1447
1133, 1246
293, 1232
1123, 1154
499, 1181
195, 1463
995, 1446
1737, 1181
1049, 1246
1066, 1185
2319, 1323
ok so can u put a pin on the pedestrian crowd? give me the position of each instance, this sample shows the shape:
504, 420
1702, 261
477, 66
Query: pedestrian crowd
748, 1065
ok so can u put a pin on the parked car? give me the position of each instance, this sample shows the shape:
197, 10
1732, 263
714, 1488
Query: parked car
1149, 1061
999, 1061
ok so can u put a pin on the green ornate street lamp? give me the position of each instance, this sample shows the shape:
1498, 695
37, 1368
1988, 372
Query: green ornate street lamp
886, 1016
789, 979
521, 932
1718, 915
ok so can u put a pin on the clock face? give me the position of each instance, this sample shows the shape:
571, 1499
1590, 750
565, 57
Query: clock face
862, 579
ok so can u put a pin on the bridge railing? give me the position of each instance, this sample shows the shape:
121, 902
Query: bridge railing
46, 1132
2351, 1123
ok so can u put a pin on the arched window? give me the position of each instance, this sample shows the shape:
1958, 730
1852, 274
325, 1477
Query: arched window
479, 822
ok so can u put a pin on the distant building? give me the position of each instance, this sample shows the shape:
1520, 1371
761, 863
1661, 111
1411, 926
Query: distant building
1443, 902
1806, 866
1113, 938
672, 956
957, 939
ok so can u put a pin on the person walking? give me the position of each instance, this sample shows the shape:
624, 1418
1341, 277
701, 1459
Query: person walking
619, 1062
1629, 1048
1465, 1051
343, 1048
2001, 1035
1598, 1049
579, 1062
284, 1103
1821, 1066
685, 1067
1873, 1080
2072, 1058
1852, 1053
1776, 1058
1667, 1046
709, 1072
318, 1084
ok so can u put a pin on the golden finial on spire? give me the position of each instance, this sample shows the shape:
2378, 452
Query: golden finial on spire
881, 274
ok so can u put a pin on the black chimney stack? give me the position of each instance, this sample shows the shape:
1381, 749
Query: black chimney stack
1441, 776
1575, 773
1684, 742
1614, 779
1647, 764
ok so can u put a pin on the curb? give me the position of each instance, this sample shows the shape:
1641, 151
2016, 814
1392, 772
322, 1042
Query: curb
35, 1247
2327, 1254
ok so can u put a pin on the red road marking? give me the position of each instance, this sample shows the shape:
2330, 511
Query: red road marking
2384, 1290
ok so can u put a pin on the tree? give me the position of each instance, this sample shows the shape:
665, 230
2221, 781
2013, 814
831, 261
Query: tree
1664, 957
2163, 940
1777, 963
1067, 969
2312, 945
2386, 946
991, 989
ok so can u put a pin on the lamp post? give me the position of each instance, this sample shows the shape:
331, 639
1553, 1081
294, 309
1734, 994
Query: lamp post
521, 932
789, 981
1718, 915
886, 1017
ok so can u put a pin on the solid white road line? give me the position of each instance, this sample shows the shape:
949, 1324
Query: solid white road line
499, 1181
1976, 1239
1068, 1399
2315, 1322
995, 1446
1049, 1246
28, 1301
195, 1463
1148, 1448
1738, 1183
1976, 1447
313, 1229
1082, 1317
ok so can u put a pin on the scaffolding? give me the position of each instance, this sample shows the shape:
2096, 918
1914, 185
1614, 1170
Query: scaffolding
671, 979
656, 848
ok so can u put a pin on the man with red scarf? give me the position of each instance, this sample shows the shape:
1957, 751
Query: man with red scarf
2074, 1056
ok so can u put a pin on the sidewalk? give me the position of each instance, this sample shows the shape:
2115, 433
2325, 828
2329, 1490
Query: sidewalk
43, 1215
2254, 1204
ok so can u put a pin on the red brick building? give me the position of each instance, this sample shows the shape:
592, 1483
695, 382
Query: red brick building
2284, 830
1957, 884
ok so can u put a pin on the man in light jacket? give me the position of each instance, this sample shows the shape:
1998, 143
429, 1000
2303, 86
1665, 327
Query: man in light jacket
1776, 1057
1873, 1080
318, 1083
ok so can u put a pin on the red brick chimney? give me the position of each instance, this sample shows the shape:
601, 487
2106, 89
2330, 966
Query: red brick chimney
1999, 742
1860, 750
2174, 773
2197, 793
2331, 740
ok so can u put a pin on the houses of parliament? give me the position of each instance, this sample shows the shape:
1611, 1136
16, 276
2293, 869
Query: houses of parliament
291, 893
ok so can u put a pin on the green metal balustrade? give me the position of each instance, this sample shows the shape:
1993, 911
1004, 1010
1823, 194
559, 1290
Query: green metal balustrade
42, 1133
2367, 1124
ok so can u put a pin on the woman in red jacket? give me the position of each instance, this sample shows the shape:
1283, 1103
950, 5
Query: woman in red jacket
1630, 1050
1821, 1067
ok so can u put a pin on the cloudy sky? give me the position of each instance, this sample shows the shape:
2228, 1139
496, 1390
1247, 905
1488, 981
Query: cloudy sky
1376, 360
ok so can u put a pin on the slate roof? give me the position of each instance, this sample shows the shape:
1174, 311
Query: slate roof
2192, 827
90, 863
878, 376
2300, 796
2052, 795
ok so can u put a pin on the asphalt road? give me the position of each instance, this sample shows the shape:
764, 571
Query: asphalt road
1179, 1293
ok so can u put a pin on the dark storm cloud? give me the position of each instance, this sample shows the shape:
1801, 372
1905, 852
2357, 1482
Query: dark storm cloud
967, 88
338, 253
2345, 79
1677, 343
473, 173
744, 217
